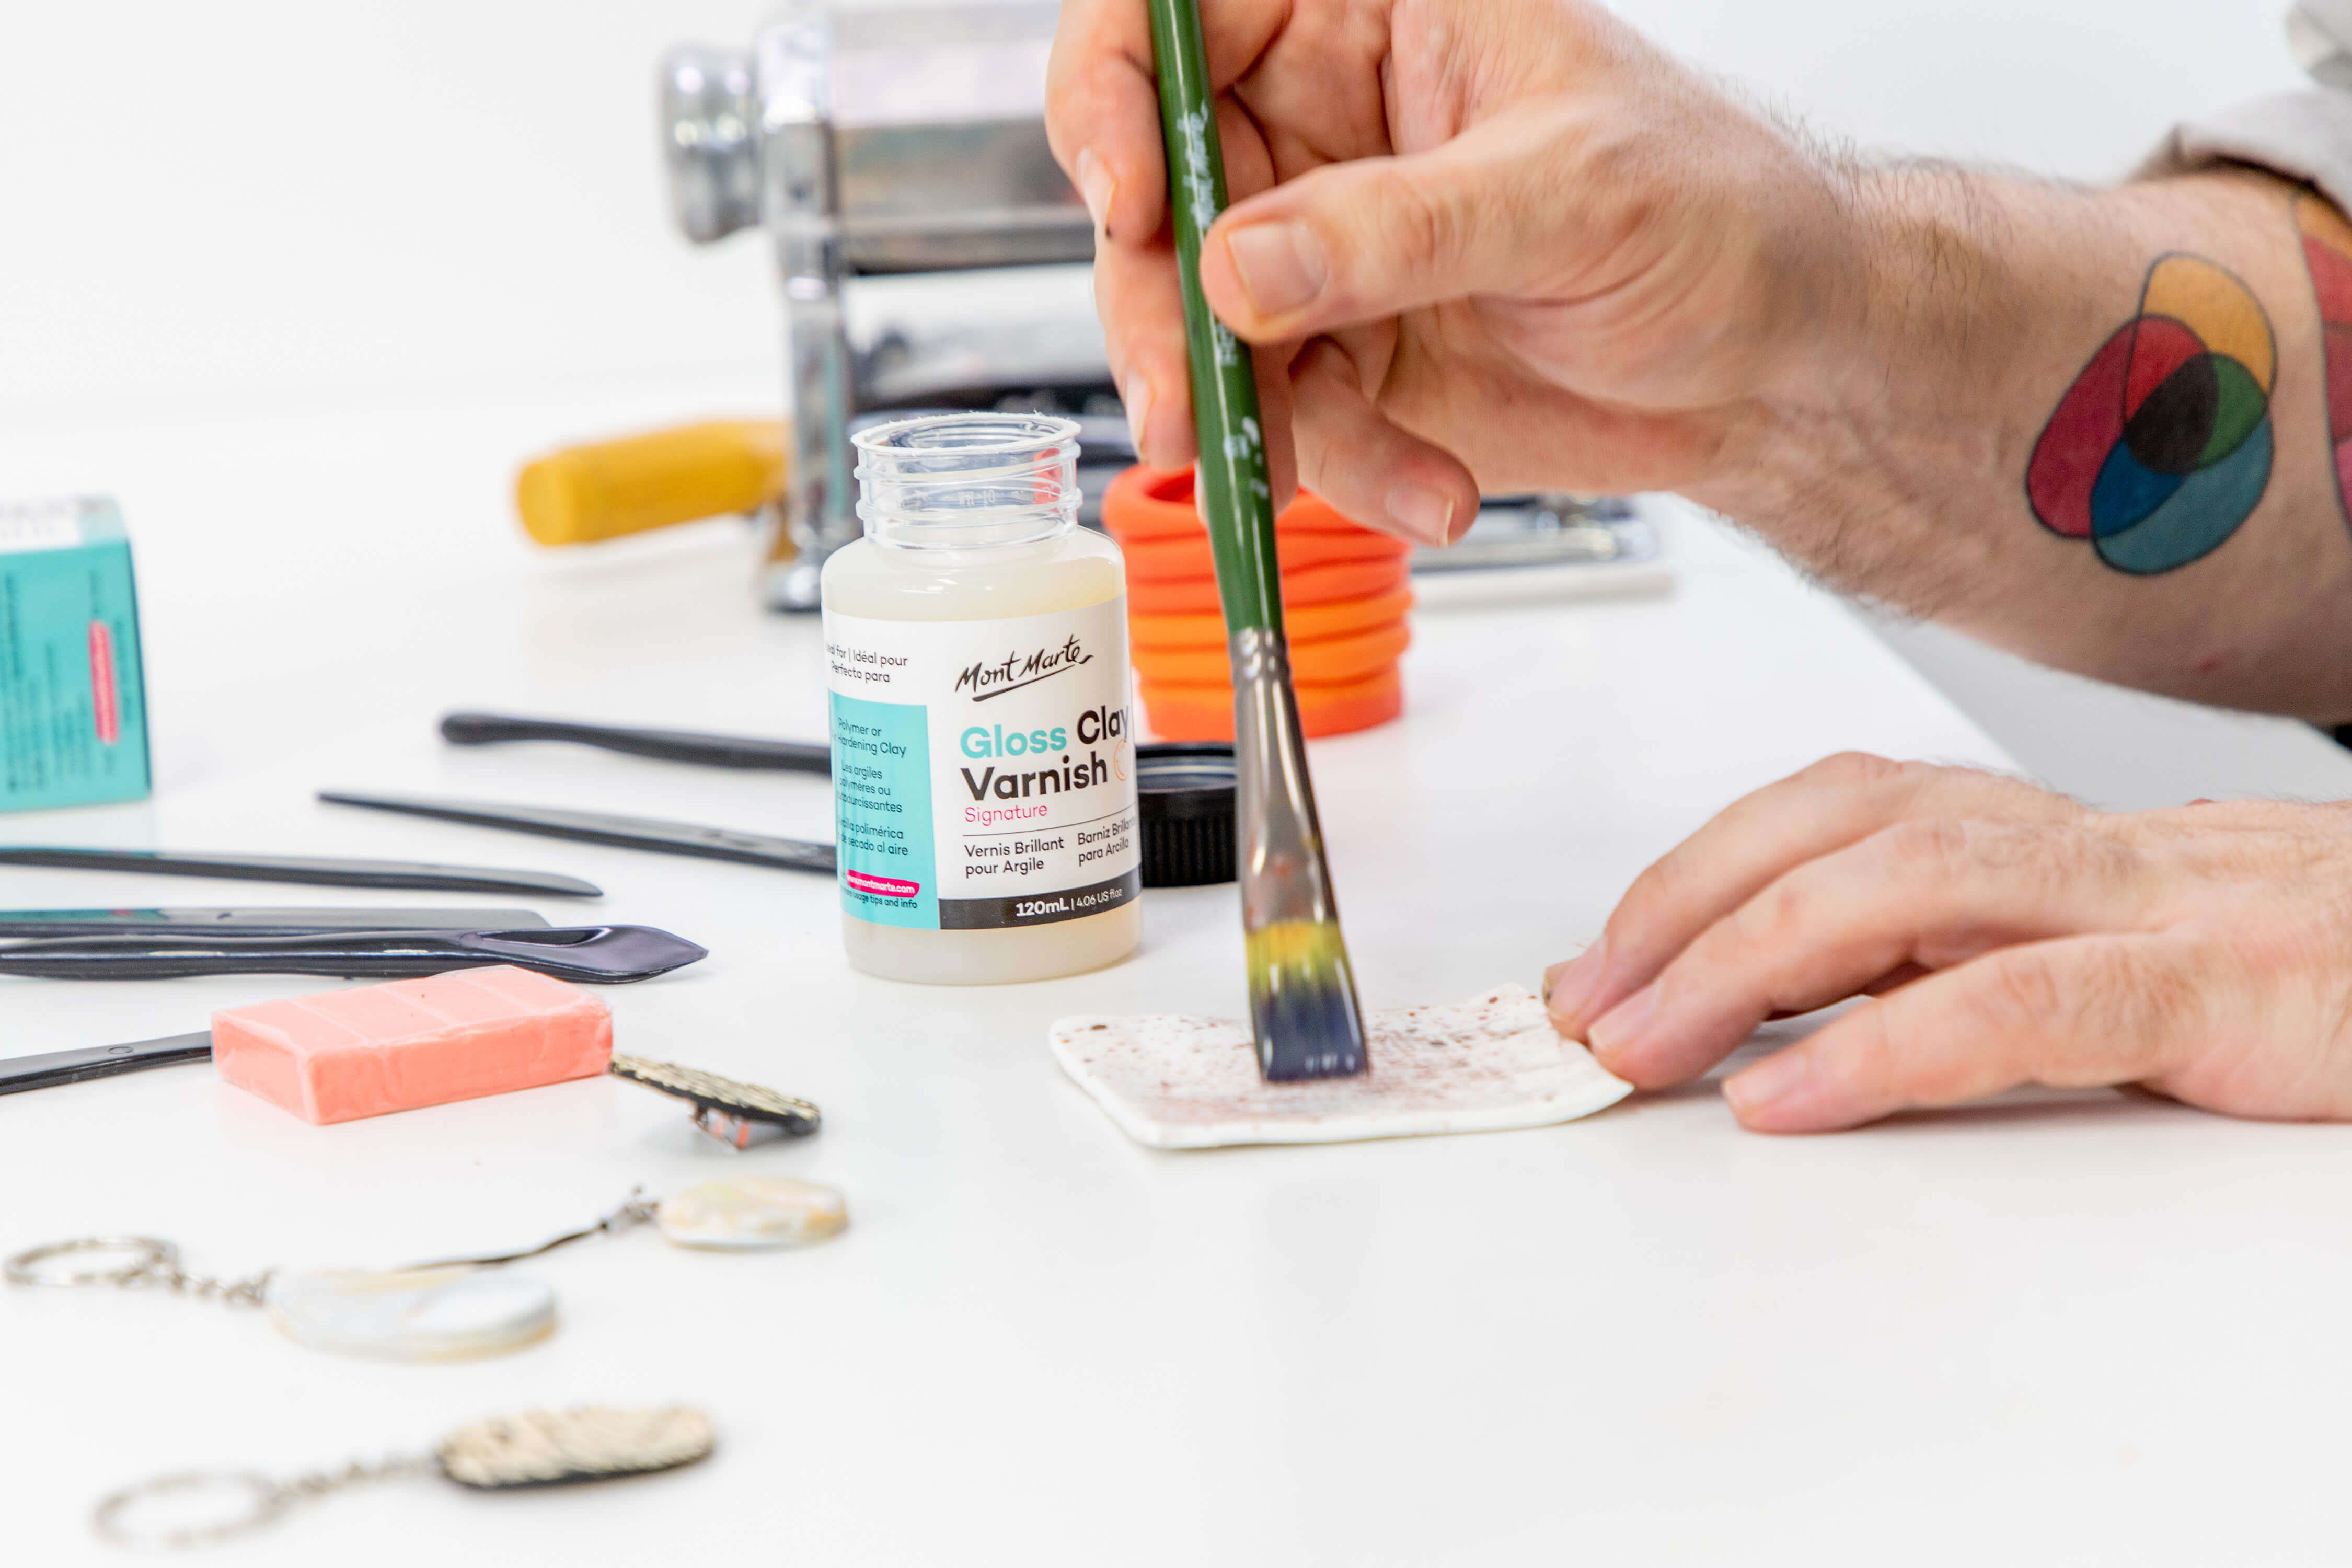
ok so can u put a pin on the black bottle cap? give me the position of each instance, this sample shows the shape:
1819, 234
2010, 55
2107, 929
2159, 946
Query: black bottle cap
1184, 809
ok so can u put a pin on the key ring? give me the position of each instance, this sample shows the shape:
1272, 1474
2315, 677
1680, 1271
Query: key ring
152, 1258
264, 1500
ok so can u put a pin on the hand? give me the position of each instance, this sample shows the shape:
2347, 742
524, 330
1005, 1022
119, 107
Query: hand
1498, 244
2205, 953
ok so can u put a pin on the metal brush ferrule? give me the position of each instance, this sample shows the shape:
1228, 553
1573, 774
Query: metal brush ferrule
1279, 843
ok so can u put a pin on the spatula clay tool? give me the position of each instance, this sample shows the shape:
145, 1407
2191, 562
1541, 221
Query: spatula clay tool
649, 833
1303, 1007
595, 956
666, 745
184, 921
302, 870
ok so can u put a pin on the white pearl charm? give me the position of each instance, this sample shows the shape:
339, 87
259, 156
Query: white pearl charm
446, 1313
746, 1213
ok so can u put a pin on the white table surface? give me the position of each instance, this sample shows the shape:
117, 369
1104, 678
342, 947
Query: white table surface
2070, 1328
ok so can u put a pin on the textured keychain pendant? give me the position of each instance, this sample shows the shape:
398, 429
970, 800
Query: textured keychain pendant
537, 1449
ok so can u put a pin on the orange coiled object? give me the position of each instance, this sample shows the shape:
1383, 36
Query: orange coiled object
1345, 589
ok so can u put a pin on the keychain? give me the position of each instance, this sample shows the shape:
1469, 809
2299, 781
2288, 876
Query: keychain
737, 1114
456, 1308
540, 1449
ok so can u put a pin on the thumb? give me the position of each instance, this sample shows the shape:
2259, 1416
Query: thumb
1371, 238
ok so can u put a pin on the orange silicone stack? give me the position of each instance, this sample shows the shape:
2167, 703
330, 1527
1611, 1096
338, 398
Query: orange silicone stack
1345, 592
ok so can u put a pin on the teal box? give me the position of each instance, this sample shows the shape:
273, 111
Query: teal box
73, 694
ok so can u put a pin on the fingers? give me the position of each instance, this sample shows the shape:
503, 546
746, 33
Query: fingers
1371, 238
2074, 1013
1142, 308
1143, 330
1154, 376
1924, 895
1352, 456
1829, 806
1102, 115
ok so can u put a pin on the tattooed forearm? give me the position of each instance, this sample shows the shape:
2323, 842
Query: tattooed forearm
2328, 256
2162, 446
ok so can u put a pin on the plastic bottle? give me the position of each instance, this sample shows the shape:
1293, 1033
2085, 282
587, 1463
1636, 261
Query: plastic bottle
984, 755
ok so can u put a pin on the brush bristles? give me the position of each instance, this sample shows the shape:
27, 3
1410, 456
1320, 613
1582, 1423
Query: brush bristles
1303, 1003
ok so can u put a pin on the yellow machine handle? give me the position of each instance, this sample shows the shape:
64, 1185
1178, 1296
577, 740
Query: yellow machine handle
601, 492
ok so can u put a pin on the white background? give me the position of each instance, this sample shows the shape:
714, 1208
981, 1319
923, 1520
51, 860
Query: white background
301, 284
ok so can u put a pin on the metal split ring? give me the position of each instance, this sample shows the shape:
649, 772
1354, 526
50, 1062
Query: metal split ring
263, 1501
154, 1257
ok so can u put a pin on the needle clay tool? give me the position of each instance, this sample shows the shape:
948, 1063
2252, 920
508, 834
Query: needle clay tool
453, 1309
1302, 1008
695, 746
1175, 1081
537, 1449
302, 871
646, 833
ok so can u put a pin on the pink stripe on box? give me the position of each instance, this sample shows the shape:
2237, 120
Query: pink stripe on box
341, 1055
105, 708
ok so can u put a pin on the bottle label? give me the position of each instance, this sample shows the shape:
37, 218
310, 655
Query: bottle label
983, 771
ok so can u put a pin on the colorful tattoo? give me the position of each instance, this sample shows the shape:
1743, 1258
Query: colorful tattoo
2162, 446
2327, 252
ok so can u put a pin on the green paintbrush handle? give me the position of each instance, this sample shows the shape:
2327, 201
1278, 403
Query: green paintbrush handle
1237, 501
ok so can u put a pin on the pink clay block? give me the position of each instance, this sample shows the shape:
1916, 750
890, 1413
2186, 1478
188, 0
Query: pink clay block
341, 1055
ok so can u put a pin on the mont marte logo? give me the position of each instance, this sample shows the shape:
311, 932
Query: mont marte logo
1014, 670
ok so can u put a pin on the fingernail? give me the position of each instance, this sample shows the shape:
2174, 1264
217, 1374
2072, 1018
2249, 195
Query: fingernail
1096, 187
1137, 396
1622, 1025
1423, 513
1571, 985
1281, 265
1773, 1078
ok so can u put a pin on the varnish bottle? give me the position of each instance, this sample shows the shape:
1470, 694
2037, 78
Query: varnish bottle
984, 755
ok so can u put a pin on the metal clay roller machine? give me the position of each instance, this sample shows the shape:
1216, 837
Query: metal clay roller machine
883, 149
889, 142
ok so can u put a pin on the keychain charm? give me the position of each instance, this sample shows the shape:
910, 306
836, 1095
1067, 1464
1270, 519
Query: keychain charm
737, 1114
538, 1448
405, 1314
742, 1213
734, 1214
452, 1308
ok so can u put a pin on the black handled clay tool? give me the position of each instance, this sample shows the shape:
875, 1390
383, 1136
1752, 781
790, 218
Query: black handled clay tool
590, 955
51, 1069
311, 872
669, 745
605, 827
1302, 993
15, 923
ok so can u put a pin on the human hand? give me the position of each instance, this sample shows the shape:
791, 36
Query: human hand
1497, 245
2017, 937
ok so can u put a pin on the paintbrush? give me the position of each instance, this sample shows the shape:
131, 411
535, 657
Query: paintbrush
1302, 993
